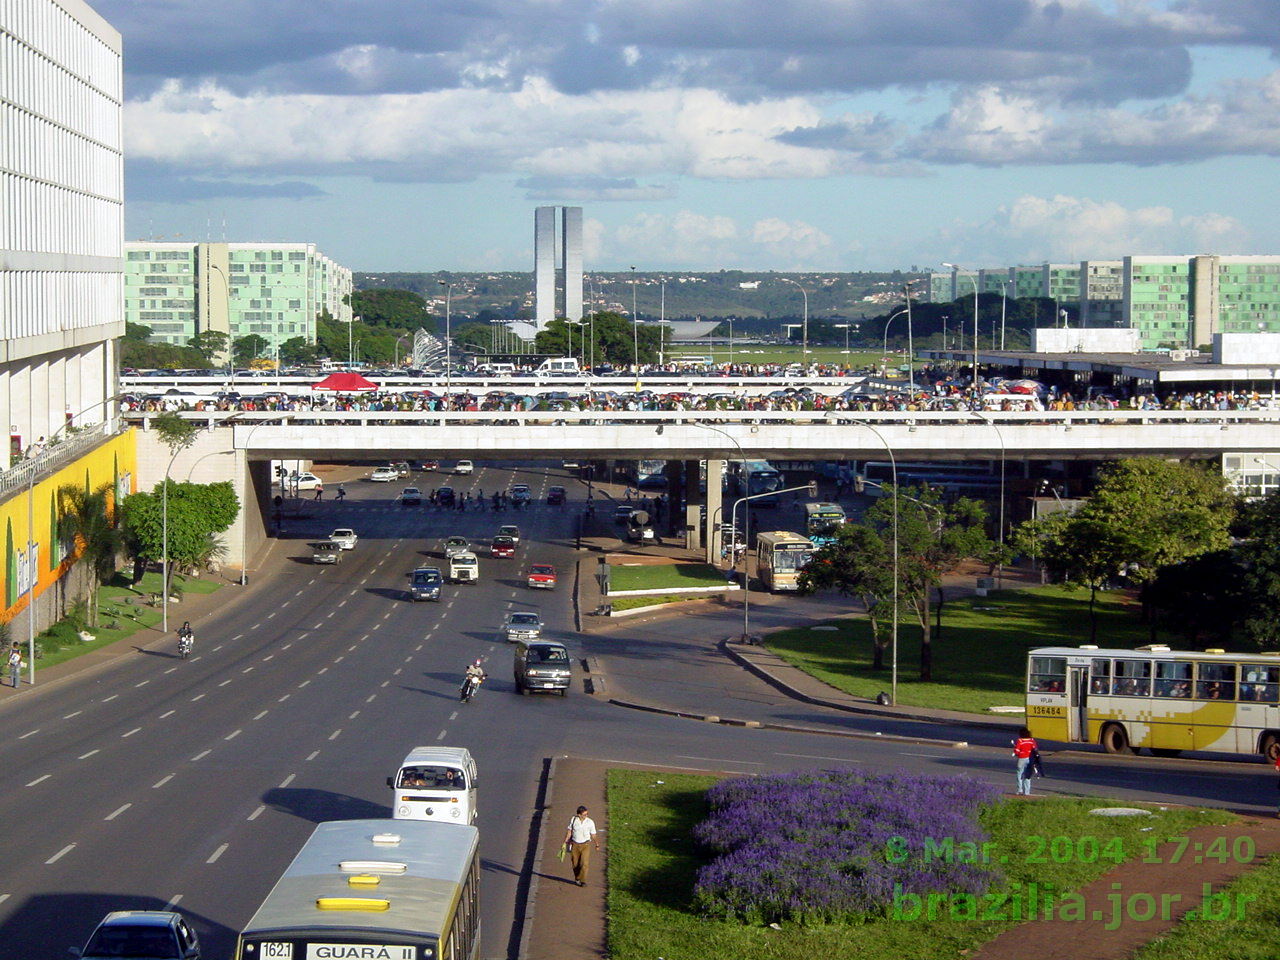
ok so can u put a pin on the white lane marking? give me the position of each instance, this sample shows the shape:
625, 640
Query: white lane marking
329, 615
76, 714
418, 647
224, 683
342, 604
322, 670
261, 715
370, 698
86, 756
171, 670
199, 696
268, 657
284, 698
247, 670
454, 715
397, 672
351, 649
314, 754
201, 755
233, 734
142, 684
932, 756
386, 683
39, 779
339, 659
169, 713
362, 639
236, 637
217, 648
335, 734
194, 659
354, 714
131, 732
814, 756
442, 733
317, 626
213, 858
287, 780
387, 615
61, 853
173, 901
116, 812
298, 594
408, 658
750, 763
288, 645
257, 813
160, 783
272, 614
3, 897
110, 698
303, 684
29, 733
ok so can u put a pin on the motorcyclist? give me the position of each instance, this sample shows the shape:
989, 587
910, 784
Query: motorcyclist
472, 679
186, 638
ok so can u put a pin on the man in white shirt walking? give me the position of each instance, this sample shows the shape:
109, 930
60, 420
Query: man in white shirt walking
578, 840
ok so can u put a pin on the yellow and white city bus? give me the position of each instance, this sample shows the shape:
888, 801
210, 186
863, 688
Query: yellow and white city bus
780, 555
1165, 700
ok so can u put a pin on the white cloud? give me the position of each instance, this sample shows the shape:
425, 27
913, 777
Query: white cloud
796, 241
691, 240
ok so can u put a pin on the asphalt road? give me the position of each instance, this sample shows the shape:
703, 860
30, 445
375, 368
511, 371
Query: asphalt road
154, 781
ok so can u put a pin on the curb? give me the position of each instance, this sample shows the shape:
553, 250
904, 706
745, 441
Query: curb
790, 728
546, 790
870, 710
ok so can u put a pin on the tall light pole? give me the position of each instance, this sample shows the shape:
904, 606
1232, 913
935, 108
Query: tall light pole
893, 468
911, 346
845, 327
973, 278
635, 324
804, 350
396, 361
1004, 301
884, 348
448, 343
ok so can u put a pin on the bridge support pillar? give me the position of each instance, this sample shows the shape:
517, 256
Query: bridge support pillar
715, 509
693, 501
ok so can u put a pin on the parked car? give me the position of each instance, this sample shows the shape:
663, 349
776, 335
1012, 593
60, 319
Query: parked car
464, 568
446, 497
556, 495
542, 576
345, 537
455, 545
425, 584
464, 468
301, 482
509, 530
384, 475
520, 493
542, 665
325, 551
503, 547
142, 935
522, 625
411, 496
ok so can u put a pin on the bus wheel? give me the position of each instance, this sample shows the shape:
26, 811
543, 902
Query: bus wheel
1271, 747
1114, 739
1165, 752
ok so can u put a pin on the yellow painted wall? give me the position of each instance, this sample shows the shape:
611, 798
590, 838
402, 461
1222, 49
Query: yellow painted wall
113, 463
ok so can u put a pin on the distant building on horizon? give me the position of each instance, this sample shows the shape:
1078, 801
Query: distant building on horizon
276, 290
554, 299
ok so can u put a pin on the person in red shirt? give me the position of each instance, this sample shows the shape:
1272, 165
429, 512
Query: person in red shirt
1023, 747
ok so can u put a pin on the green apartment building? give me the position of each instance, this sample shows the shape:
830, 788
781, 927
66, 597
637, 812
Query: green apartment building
274, 290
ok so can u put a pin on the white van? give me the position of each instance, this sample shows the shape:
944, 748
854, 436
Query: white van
496, 369
435, 783
559, 367
464, 568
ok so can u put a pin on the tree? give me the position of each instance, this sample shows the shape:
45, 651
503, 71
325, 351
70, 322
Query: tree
137, 331
297, 352
396, 309
857, 564
176, 432
1082, 550
1259, 555
85, 518
197, 513
211, 344
610, 338
932, 541
248, 347
1207, 597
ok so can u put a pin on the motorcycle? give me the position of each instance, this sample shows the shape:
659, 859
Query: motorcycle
470, 684
185, 641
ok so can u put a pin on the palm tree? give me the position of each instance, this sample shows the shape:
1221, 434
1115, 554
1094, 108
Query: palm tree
86, 520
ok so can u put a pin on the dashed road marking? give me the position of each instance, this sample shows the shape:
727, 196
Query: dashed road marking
110, 698
167, 714
322, 670
287, 780
171, 670
86, 756
284, 698
201, 755
39, 780
173, 901
351, 649
116, 812
335, 734
354, 714
61, 853
369, 698
442, 733
236, 637
70, 715
261, 715
314, 754
198, 696
217, 648
131, 732
257, 813
454, 715
161, 782
339, 659
342, 604
29, 733
142, 683
288, 645
247, 670
224, 683
272, 614
386, 683
233, 734
270, 656
397, 672
213, 858
303, 684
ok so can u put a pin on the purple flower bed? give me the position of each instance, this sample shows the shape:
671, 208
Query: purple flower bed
815, 846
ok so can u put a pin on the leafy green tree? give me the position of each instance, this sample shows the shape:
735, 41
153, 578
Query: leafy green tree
85, 518
297, 352
858, 564
932, 540
211, 344
197, 513
396, 309
610, 338
1208, 597
175, 431
247, 348
1259, 555
1081, 549
137, 331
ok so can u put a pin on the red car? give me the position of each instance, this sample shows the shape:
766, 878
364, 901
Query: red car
503, 547
542, 576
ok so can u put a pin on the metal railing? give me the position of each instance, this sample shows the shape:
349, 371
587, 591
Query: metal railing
59, 454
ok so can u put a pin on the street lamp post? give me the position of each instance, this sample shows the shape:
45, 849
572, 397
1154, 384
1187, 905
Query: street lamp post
1004, 303
448, 342
812, 489
804, 350
884, 349
845, 327
396, 361
635, 325
973, 278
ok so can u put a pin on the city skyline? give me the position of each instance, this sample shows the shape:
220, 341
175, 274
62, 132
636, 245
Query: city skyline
845, 136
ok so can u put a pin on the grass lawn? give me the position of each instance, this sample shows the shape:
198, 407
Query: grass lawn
980, 659
630, 603
664, 576
1251, 936
60, 642
653, 863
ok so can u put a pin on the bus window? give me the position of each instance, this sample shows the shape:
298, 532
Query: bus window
1132, 678
1048, 675
1173, 680
1100, 676
1259, 682
1216, 681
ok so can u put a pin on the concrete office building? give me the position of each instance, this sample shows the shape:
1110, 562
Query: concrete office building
1102, 293
61, 276
274, 290
552, 299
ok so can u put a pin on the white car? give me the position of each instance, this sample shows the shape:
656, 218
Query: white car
464, 468
384, 475
304, 481
344, 537
454, 546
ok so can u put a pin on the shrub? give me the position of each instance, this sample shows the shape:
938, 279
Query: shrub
813, 847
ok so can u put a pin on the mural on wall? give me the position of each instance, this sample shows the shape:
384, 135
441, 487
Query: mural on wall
114, 463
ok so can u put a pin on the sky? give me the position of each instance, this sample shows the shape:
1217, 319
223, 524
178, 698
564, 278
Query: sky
706, 134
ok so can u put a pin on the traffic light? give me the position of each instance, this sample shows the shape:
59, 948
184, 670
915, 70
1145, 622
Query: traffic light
859, 483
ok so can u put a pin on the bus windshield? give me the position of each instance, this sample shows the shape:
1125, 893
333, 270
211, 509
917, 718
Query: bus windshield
786, 559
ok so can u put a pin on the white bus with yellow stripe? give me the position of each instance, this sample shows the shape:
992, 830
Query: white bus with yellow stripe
390, 889
1165, 700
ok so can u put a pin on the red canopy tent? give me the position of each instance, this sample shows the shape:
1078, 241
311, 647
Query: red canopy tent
345, 383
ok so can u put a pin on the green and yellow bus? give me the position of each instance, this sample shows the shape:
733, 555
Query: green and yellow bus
392, 889
1164, 700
